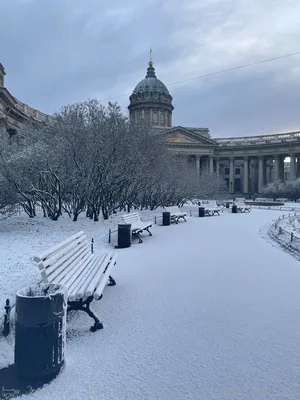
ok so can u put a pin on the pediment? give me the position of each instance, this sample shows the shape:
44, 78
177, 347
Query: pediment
183, 135
179, 137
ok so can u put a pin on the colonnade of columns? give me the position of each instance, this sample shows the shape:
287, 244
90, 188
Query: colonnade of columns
254, 171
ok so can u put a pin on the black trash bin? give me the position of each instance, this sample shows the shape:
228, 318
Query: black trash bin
201, 211
166, 218
40, 337
124, 235
234, 209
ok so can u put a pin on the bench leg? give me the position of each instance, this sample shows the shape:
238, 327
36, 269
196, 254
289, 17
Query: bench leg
137, 234
147, 229
85, 306
111, 282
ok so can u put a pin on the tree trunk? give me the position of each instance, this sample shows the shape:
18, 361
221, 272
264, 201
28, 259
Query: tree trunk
75, 217
105, 212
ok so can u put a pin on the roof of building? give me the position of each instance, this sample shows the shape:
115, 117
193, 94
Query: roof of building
151, 82
151, 89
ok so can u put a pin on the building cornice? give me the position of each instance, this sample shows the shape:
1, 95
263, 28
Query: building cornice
21, 111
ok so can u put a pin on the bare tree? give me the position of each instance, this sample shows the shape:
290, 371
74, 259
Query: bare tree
8, 200
92, 159
211, 186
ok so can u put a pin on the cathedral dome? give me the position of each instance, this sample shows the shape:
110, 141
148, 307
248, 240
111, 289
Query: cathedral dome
151, 100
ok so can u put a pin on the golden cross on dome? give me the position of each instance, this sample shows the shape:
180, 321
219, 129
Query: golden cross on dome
150, 62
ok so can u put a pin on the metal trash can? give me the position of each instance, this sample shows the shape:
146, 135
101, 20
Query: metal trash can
40, 337
201, 211
166, 218
124, 235
234, 209
227, 205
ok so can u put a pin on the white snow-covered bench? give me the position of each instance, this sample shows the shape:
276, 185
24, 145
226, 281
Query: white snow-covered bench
137, 225
176, 214
212, 209
84, 274
241, 206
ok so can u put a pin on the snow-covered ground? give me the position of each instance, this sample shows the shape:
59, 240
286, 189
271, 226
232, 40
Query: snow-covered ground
206, 309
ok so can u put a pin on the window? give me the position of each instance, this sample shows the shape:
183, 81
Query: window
226, 171
155, 117
237, 171
162, 118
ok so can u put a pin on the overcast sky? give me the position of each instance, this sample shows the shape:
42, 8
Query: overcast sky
58, 52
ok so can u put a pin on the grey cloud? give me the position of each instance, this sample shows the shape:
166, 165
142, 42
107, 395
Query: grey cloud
63, 51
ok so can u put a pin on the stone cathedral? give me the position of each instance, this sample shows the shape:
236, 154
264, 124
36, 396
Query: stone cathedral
247, 163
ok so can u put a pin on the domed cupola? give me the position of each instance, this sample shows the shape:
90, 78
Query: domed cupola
151, 101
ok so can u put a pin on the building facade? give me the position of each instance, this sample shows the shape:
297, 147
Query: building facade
246, 163
14, 113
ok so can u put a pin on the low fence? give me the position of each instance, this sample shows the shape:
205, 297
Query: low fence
284, 236
5, 319
277, 208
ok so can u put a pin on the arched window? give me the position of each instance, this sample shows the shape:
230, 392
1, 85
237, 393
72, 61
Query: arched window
162, 118
155, 117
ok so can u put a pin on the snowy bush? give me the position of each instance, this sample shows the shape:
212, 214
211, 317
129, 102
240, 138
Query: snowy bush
289, 189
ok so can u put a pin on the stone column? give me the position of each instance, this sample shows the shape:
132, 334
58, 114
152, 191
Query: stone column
292, 166
211, 164
298, 167
218, 165
276, 168
246, 175
281, 168
253, 175
269, 164
231, 175
198, 165
260, 173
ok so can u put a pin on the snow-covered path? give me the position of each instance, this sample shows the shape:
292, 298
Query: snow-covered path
206, 309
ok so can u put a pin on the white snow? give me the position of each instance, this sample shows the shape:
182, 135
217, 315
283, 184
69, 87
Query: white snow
206, 309
41, 290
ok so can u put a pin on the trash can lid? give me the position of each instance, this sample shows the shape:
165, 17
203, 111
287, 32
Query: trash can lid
42, 290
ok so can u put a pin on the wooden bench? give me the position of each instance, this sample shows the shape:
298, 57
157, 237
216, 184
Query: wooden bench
84, 274
242, 207
137, 225
212, 209
176, 214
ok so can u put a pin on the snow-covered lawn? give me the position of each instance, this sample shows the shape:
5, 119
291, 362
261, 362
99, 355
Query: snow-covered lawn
206, 309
